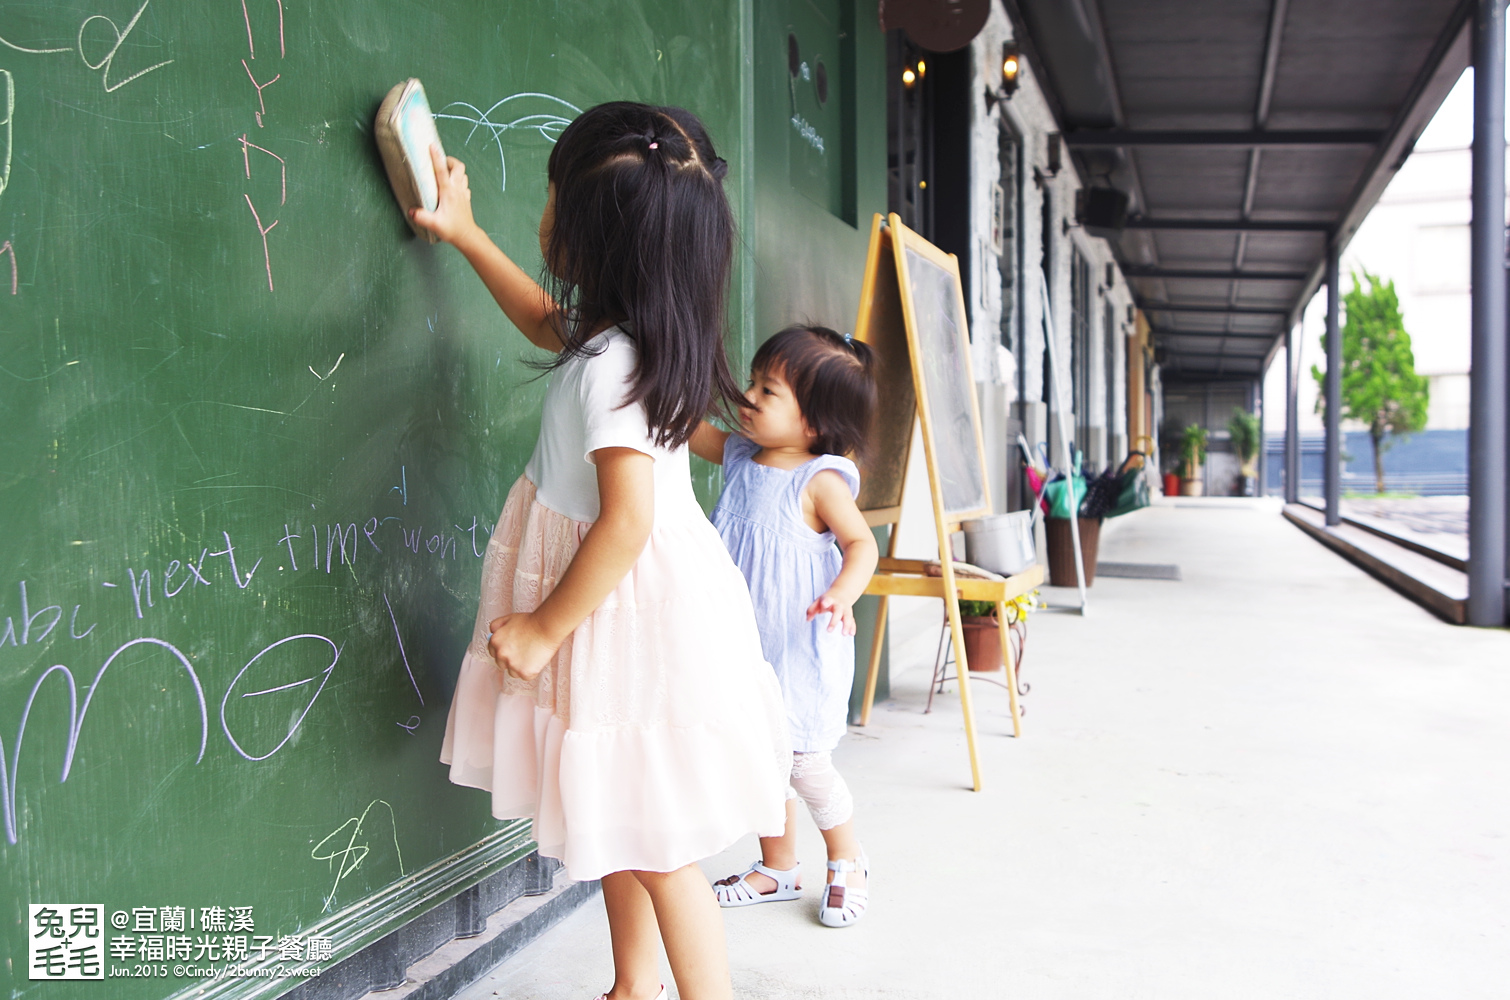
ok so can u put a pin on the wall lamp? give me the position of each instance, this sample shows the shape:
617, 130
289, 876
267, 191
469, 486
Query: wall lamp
1011, 69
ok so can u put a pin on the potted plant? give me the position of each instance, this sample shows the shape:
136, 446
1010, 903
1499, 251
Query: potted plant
1247, 436
1192, 460
983, 631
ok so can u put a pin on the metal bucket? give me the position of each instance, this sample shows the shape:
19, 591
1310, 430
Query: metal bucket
1001, 543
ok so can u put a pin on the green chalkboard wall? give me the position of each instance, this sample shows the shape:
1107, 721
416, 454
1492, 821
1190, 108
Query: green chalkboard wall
255, 435
818, 153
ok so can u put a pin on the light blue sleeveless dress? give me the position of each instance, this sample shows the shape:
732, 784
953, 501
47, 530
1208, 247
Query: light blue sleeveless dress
788, 565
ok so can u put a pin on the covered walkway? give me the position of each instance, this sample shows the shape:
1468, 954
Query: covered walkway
1274, 778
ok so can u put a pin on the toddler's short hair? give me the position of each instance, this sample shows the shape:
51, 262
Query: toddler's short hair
833, 378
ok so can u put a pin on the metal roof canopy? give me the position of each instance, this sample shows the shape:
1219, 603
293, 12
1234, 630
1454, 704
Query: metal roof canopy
1247, 134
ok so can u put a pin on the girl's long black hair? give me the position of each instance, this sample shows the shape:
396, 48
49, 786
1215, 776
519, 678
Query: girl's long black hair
643, 237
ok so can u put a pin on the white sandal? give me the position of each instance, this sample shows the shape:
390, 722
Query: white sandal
843, 905
659, 996
735, 891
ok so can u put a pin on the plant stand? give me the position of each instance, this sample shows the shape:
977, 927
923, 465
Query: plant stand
1017, 635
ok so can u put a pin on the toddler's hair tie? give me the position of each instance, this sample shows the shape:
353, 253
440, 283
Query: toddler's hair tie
655, 145
848, 337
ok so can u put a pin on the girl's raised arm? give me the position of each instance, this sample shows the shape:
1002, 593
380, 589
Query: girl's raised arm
521, 298
708, 442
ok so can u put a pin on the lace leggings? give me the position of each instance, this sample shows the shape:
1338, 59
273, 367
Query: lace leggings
815, 782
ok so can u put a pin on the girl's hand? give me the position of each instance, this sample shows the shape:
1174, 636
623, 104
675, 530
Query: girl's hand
452, 218
519, 646
839, 611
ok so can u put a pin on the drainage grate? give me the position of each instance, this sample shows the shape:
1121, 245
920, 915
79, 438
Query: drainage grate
1138, 571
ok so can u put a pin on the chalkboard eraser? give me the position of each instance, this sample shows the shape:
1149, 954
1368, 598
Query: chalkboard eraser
405, 131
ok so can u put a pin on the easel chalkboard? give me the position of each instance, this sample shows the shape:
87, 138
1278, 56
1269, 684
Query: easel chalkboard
912, 314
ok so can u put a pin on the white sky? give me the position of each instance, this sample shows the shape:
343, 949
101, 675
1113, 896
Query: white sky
1452, 127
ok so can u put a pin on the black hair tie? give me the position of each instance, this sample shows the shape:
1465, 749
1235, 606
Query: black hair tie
719, 169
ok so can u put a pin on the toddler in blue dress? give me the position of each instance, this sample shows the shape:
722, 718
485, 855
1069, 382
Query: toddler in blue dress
788, 517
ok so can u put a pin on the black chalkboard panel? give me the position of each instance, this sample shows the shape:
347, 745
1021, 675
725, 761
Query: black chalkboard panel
255, 436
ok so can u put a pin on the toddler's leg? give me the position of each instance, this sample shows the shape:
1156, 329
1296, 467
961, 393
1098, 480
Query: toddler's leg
829, 800
636, 940
693, 930
778, 855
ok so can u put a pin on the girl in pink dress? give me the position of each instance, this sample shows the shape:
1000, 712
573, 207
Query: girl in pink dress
614, 689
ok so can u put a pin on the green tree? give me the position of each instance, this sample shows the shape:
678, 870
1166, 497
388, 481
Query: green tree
1380, 387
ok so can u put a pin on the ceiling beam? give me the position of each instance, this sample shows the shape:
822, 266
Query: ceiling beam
1232, 138
1148, 271
1230, 360
1203, 350
1277, 15
1221, 310
1229, 225
1240, 335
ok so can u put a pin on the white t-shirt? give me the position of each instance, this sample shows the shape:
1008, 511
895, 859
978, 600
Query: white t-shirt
583, 412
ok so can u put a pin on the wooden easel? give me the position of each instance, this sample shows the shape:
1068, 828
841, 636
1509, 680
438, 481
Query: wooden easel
916, 326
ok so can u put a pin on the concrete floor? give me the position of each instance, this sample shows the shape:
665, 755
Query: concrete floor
1276, 778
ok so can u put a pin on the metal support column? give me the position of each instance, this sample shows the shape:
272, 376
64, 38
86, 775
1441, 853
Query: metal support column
1261, 408
1333, 471
1487, 430
1292, 416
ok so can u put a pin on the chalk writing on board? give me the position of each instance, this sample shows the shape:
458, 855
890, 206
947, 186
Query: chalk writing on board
6, 129
247, 146
105, 62
345, 860
251, 44
402, 654
472, 530
259, 663
546, 124
267, 702
6, 248
10, 774
8, 82
142, 586
30, 618
246, 160
261, 105
262, 231
332, 371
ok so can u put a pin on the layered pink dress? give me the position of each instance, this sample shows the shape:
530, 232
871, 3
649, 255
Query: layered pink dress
655, 736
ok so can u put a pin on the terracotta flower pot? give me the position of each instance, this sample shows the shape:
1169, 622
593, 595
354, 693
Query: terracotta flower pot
982, 644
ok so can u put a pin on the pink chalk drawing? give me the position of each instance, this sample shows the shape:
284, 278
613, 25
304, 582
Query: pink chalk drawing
247, 145
251, 45
263, 233
246, 160
260, 87
6, 247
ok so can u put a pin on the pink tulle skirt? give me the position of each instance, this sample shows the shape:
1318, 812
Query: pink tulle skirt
656, 735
